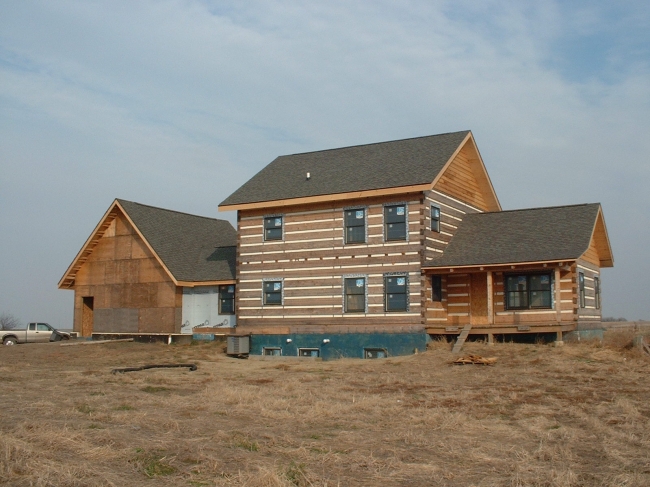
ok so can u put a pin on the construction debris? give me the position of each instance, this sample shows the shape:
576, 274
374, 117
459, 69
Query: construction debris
160, 366
474, 360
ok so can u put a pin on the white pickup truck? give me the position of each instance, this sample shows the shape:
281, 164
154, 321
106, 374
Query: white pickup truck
34, 333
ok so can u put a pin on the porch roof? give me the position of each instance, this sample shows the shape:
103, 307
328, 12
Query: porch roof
521, 236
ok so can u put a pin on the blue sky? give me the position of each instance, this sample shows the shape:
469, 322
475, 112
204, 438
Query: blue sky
176, 103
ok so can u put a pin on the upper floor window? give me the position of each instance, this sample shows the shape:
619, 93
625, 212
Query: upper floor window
435, 218
524, 291
436, 288
581, 283
395, 222
273, 228
396, 293
273, 292
355, 226
597, 291
354, 294
227, 299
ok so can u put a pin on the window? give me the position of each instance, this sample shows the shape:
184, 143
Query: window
227, 299
597, 291
435, 218
581, 282
274, 351
374, 353
525, 291
395, 293
355, 226
42, 327
273, 228
273, 292
308, 352
354, 295
436, 288
32, 326
395, 222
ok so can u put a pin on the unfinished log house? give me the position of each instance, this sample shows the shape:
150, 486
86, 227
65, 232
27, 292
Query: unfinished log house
147, 271
366, 251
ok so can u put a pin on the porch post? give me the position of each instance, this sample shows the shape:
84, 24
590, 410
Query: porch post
558, 296
490, 299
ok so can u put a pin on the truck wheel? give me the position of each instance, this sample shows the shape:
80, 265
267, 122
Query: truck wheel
9, 341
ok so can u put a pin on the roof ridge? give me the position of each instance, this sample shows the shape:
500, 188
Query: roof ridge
120, 200
535, 208
373, 143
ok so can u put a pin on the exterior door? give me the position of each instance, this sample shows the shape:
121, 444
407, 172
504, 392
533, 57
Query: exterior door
87, 316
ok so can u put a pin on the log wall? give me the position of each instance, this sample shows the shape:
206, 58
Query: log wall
588, 313
466, 300
452, 212
313, 259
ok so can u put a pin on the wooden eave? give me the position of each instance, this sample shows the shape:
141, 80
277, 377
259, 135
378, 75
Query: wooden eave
68, 279
601, 237
205, 283
327, 197
482, 177
490, 194
498, 267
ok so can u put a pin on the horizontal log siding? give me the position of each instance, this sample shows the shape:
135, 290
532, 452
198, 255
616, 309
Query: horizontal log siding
535, 316
459, 180
313, 259
452, 212
589, 312
455, 308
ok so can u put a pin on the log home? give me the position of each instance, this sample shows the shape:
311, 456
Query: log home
146, 270
367, 251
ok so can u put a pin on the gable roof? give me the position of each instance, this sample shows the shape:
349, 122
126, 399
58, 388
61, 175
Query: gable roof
192, 249
396, 164
522, 236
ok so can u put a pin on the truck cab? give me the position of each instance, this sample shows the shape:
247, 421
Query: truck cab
34, 333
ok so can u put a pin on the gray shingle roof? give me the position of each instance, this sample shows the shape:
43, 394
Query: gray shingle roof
530, 235
194, 248
358, 168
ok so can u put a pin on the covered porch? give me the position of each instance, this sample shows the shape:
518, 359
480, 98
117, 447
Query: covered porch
502, 299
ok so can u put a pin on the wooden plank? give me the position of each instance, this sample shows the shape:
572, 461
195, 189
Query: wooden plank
461, 339
326, 198
558, 295
490, 299
479, 299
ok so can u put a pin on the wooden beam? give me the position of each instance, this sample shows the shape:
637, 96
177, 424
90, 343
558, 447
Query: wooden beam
494, 267
205, 283
326, 198
490, 298
558, 295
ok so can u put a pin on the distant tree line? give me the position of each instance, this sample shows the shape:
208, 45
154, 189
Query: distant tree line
611, 318
9, 322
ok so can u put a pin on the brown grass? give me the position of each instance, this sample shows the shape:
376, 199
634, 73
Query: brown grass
578, 415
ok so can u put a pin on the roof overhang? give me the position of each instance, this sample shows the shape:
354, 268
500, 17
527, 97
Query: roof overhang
328, 197
601, 239
205, 283
507, 266
479, 170
68, 279
481, 174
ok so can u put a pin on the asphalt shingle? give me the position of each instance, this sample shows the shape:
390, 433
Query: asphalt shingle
529, 235
359, 168
194, 248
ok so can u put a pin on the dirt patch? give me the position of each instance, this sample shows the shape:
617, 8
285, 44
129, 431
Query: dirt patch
576, 415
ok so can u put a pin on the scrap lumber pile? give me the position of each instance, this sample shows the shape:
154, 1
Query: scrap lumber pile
475, 360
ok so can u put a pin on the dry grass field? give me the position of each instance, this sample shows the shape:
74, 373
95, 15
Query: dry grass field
577, 415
